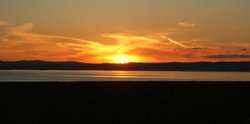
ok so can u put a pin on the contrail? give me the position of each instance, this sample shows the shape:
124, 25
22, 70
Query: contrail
175, 42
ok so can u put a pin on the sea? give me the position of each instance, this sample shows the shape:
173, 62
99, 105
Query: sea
100, 75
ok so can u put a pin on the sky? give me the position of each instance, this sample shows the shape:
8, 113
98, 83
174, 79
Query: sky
113, 31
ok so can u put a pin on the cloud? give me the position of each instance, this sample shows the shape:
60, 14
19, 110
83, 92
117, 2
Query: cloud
22, 28
131, 40
175, 42
186, 24
126, 43
23, 32
197, 48
21, 43
244, 49
3, 23
231, 56
155, 48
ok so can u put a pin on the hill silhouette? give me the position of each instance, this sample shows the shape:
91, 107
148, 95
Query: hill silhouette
175, 66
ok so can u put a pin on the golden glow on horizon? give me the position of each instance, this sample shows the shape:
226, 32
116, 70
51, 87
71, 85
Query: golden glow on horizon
123, 59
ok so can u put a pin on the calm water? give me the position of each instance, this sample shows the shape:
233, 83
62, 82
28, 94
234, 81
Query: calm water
37, 75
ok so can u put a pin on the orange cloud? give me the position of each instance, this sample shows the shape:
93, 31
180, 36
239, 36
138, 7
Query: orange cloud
20, 43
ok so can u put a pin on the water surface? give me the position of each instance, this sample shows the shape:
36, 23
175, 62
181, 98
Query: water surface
58, 75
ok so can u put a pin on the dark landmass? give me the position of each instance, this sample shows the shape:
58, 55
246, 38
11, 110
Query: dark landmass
125, 103
197, 66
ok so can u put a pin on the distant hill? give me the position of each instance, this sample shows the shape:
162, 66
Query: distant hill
197, 66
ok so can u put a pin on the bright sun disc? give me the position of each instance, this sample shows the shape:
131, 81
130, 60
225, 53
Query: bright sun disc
122, 59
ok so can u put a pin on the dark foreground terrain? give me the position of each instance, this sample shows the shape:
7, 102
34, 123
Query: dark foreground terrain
125, 103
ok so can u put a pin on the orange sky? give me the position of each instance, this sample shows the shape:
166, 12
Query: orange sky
132, 31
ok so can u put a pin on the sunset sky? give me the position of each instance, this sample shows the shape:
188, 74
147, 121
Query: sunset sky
100, 31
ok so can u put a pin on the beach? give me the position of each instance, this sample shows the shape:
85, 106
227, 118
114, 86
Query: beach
124, 102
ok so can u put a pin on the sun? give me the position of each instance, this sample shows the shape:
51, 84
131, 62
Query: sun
122, 59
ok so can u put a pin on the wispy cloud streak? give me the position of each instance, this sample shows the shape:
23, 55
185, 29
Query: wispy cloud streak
175, 42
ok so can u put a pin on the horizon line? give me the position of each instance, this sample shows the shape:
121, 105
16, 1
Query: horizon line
124, 63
